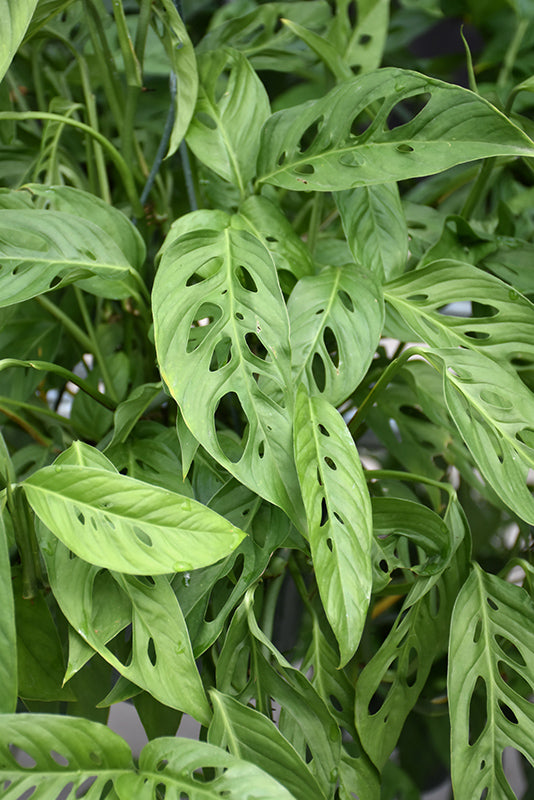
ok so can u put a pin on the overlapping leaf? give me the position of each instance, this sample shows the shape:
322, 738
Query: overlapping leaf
221, 330
375, 228
338, 509
16, 16
336, 320
42, 250
493, 410
127, 525
501, 325
491, 664
320, 145
8, 636
224, 131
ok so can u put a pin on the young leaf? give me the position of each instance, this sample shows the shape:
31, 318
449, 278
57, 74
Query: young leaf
375, 228
8, 635
501, 325
336, 319
338, 509
491, 661
222, 335
230, 110
127, 525
251, 736
454, 127
16, 16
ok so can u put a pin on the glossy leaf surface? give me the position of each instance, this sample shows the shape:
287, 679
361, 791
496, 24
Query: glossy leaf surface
16, 16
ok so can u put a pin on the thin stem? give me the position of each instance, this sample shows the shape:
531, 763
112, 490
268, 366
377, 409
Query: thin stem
75, 331
395, 474
163, 145
478, 187
120, 163
269, 604
110, 79
35, 409
315, 221
44, 441
134, 81
188, 175
95, 346
511, 52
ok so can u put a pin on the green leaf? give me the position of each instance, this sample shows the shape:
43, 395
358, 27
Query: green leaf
43, 250
493, 411
336, 319
326, 51
252, 737
130, 410
375, 228
222, 335
45, 10
8, 634
181, 54
338, 509
368, 39
62, 750
232, 106
501, 324
16, 16
312, 147
491, 668
127, 525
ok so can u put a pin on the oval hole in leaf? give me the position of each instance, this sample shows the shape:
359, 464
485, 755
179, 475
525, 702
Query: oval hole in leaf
477, 335
496, 399
345, 299
526, 436
205, 317
304, 169
478, 630
151, 652
516, 681
405, 148
23, 759
339, 518
80, 516
383, 564
230, 410
59, 759
484, 793
361, 122
417, 298
335, 702
330, 463
492, 604
160, 766
261, 449
324, 513
245, 279
507, 712
510, 650
310, 134
478, 714
319, 479
330, 544
461, 308
323, 430
142, 536
406, 110
330, 342
318, 372
255, 345
222, 354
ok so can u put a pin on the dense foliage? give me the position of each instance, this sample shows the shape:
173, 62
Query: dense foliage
266, 397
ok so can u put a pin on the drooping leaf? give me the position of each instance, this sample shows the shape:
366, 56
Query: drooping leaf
501, 324
230, 110
323, 48
320, 145
491, 665
336, 319
338, 509
43, 250
127, 525
16, 16
251, 736
181, 54
130, 410
375, 228
493, 411
8, 635
222, 335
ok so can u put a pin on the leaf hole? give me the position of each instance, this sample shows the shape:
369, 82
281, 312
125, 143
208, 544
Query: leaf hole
59, 759
56, 280
320, 311
238, 315
255, 345
310, 134
261, 449
230, 411
346, 299
492, 604
330, 342
496, 399
484, 793
339, 518
160, 766
361, 123
507, 712
330, 462
206, 120
477, 334
434, 601
142, 536
151, 652
383, 564
406, 110
245, 279
478, 630
304, 169
96, 758
510, 650
330, 544
478, 710
404, 148
319, 479
411, 669
194, 278
515, 681
319, 372
281, 159
221, 355
90, 255
323, 430
335, 702
418, 298
324, 513
79, 516
23, 759
205, 317
526, 436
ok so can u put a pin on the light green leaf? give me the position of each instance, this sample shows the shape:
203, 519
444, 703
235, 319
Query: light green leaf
251, 736
62, 750
338, 509
16, 16
43, 250
230, 110
491, 665
368, 39
181, 54
130, 410
8, 635
45, 10
221, 331
501, 325
127, 525
320, 146
326, 51
336, 319
493, 410
375, 228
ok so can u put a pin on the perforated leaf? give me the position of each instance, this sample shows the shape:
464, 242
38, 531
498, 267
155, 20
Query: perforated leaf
336, 320
16, 16
501, 324
490, 684
375, 228
339, 516
127, 525
493, 410
224, 131
221, 331
323, 145
43, 250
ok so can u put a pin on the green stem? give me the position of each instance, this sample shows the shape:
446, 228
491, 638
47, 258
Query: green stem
315, 221
119, 162
143, 23
511, 52
395, 474
134, 81
478, 187
380, 385
75, 331
109, 75
46, 366
24, 425
35, 409
26, 541
95, 346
